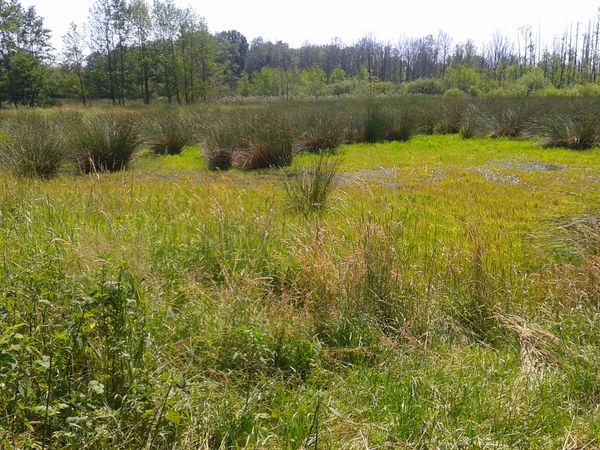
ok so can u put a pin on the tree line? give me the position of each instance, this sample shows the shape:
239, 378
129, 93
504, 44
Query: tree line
134, 50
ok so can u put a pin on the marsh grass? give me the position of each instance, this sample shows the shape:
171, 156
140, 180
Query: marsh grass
197, 311
575, 131
505, 123
322, 130
105, 142
218, 158
256, 139
310, 188
377, 125
34, 146
169, 133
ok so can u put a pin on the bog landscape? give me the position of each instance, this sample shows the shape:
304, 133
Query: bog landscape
210, 243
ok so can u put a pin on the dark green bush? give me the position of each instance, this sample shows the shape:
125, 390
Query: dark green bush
430, 86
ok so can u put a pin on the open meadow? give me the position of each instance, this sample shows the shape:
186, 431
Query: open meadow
420, 273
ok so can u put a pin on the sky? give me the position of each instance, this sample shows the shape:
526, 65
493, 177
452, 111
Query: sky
320, 21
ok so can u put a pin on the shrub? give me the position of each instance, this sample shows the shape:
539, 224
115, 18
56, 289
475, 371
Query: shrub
574, 132
454, 92
169, 133
34, 146
429, 86
310, 189
106, 142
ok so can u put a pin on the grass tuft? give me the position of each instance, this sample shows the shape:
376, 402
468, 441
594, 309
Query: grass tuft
106, 142
169, 133
34, 146
577, 132
311, 187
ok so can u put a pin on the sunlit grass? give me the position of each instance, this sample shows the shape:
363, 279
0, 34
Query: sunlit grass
423, 308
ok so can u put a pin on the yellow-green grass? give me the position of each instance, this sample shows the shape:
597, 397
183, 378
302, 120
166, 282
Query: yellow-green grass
425, 307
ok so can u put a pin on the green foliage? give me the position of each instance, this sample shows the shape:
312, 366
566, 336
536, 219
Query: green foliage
312, 82
271, 82
337, 75
534, 82
454, 92
465, 79
74, 358
430, 86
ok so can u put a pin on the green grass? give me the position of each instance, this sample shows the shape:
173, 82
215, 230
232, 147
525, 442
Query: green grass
425, 307
454, 151
189, 160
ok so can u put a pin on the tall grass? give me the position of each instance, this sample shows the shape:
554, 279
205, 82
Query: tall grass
575, 131
34, 146
322, 129
310, 188
105, 142
172, 312
166, 312
169, 133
